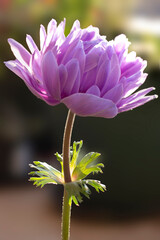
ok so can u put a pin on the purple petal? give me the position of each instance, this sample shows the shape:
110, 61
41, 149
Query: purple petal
103, 58
113, 75
94, 90
115, 94
72, 68
132, 65
63, 74
74, 50
135, 97
51, 75
76, 25
102, 74
87, 36
90, 105
121, 45
91, 33
15, 67
50, 100
74, 34
19, 70
20, 52
51, 34
31, 44
61, 26
110, 50
132, 83
80, 56
52, 25
60, 33
67, 51
88, 80
76, 85
42, 36
88, 45
92, 58
35, 65
137, 103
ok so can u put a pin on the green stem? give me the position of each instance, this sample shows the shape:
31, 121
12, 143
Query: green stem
66, 146
66, 210
66, 214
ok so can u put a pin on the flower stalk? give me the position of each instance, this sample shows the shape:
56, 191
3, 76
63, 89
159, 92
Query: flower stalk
66, 209
66, 146
66, 215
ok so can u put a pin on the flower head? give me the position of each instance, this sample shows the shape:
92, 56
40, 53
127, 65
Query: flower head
91, 76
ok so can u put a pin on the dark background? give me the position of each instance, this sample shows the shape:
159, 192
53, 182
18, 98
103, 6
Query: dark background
32, 130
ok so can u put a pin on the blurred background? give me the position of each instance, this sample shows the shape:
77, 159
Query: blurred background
32, 130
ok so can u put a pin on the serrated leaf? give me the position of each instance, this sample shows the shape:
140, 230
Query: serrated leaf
96, 184
78, 188
60, 160
74, 191
86, 166
80, 168
74, 153
75, 200
46, 174
41, 181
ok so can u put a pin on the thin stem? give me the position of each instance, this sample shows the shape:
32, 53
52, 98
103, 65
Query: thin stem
66, 214
66, 146
66, 209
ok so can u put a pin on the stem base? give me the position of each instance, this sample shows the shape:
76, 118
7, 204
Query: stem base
66, 215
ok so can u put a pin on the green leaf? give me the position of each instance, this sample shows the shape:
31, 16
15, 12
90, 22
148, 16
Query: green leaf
80, 168
86, 166
60, 159
97, 185
78, 188
46, 174
41, 181
74, 191
74, 153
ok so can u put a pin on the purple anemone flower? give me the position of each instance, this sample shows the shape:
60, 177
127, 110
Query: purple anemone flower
90, 75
